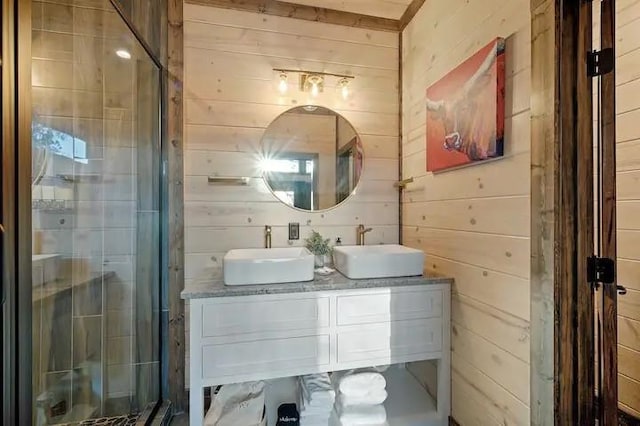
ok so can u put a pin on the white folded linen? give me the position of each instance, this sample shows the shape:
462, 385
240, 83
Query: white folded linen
360, 383
324, 422
374, 397
318, 399
305, 409
360, 415
316, 418
317, 390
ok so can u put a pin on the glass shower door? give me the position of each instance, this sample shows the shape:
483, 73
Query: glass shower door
95, 214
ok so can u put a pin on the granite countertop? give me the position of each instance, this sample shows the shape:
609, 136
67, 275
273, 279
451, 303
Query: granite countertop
215, 287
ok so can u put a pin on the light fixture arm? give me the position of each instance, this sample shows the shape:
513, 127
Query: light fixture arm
328, 74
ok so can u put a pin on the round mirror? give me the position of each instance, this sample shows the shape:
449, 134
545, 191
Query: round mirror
313, 158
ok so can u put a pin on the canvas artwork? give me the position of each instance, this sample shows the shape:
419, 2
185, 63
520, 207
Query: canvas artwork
465, 111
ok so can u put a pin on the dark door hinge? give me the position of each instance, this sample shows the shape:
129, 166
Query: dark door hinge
601, 270
600, 62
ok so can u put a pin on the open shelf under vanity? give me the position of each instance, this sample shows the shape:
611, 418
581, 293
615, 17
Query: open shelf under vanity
408, 404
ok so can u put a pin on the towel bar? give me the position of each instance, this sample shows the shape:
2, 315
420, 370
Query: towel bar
231, 181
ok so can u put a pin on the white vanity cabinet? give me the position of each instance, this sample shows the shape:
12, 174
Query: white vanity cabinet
259, 337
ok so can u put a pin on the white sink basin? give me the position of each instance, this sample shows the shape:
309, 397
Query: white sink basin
268, 266
383, 261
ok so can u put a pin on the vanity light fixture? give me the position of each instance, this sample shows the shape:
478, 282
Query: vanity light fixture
314, 82
284, 85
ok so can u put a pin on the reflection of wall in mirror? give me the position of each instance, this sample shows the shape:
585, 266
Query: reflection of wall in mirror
308, 133
348, 160
345, 133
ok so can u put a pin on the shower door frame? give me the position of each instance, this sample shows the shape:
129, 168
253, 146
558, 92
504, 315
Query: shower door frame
16, 214
15, 211
150, 412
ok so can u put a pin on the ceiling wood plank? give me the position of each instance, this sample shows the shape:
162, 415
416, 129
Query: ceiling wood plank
307, 13
411, 11
392, 9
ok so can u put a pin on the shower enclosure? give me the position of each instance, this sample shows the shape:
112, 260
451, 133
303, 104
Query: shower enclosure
95, 227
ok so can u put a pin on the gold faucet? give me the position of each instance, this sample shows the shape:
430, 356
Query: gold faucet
360, 234
267, 237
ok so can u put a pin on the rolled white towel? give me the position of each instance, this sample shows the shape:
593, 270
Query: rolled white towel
374, 397
360, 415
360, 383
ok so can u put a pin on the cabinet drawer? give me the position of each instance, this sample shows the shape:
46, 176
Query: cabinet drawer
264, 355
244, 317
389, 306
390, 341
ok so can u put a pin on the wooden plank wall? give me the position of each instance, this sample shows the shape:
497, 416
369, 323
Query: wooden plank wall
628, 192
544, 209
381, 8
175, 211
474, 223
231, 96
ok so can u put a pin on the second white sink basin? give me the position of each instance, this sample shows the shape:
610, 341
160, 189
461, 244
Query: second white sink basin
268, 266
383, 261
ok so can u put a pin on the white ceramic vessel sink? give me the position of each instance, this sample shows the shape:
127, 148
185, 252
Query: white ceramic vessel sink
268, 266
383, 261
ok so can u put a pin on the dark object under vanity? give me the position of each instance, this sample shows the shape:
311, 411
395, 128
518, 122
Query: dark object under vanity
288, 415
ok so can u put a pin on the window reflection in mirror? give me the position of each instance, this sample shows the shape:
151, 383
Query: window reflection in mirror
312, 158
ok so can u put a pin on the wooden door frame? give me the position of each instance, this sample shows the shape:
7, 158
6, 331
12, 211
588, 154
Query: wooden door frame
562, 214
608, 392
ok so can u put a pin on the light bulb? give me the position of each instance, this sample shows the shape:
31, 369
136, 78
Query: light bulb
344, 88
124, 54
315, 90
283, 86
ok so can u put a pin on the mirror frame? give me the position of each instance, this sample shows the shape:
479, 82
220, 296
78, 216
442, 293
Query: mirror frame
354, 191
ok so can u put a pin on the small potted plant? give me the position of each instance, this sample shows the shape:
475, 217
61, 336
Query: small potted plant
319, 247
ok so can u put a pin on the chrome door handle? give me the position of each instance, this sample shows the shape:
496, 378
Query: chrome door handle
1, 228
621, 290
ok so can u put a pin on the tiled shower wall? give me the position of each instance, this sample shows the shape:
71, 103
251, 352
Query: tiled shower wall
85, 212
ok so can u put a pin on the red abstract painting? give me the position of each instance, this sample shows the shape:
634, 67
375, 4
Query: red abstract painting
465, 111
